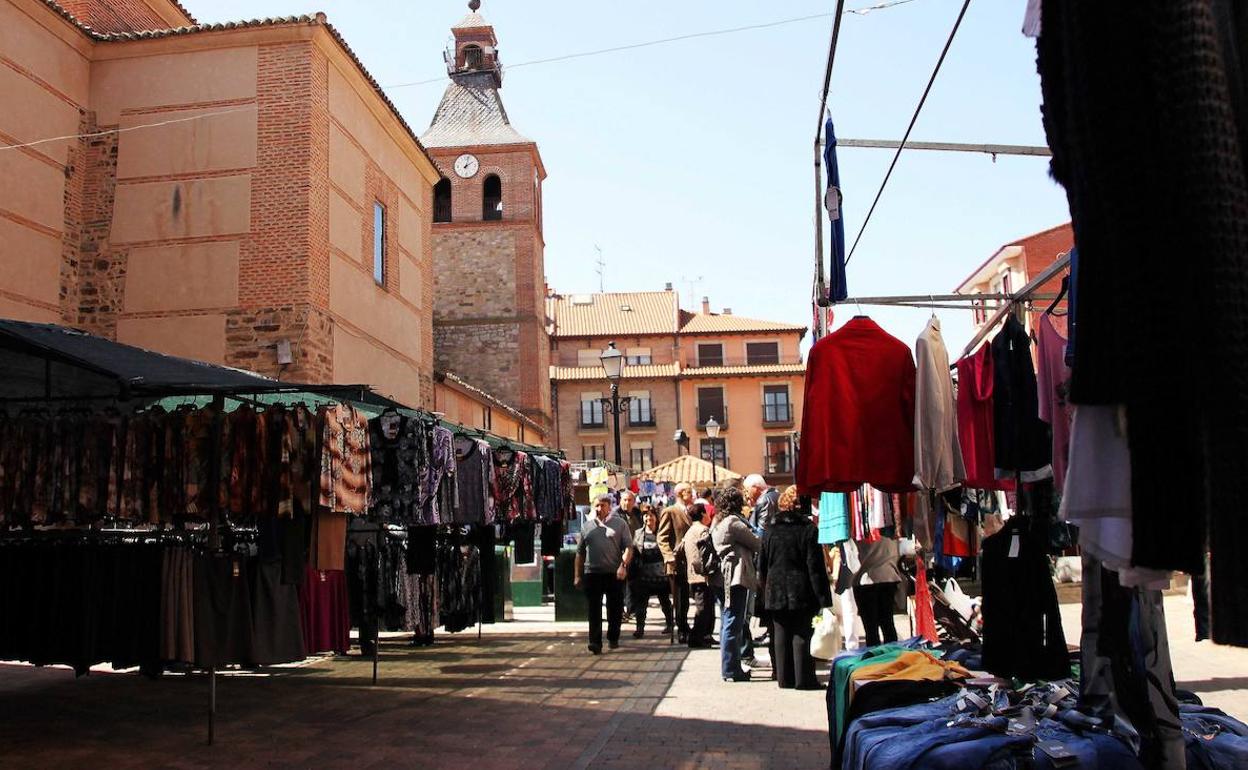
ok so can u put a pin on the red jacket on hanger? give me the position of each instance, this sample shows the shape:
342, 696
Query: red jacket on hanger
858, 413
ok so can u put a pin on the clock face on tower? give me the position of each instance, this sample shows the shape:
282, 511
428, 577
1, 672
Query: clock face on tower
466, 165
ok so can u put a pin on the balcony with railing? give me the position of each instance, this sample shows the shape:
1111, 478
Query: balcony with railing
720, 415
778, 415
696, 362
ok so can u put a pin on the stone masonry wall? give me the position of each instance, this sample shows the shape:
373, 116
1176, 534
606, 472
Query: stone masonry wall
485, 355
93, 272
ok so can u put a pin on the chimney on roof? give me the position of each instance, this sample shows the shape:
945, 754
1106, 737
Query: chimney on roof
727, 311
667, 286
706, 306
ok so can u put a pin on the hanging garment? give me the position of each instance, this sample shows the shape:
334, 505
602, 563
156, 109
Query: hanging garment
324, 613
395, 443
1125, 663
422, 553
976, 432
474, 472
1181, 106
1022, 625
298, 464
345, 460
438, 492
858, 420
1097, 497
1021, 441
243, 462
833, 518
1053, 389
937, 453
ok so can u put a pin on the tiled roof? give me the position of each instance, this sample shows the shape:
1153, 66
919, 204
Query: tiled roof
471, 112
688, 469
472, 21
640, 372
457, 381
604, 314
319, 18
757, 369
718, 323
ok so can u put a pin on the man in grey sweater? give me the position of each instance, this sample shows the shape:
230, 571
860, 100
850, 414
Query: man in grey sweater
602, 559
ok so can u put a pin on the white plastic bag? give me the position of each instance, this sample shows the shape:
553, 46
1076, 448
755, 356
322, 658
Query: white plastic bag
825, 642
959, 601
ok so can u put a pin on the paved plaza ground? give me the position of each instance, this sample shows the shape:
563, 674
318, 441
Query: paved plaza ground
526, 695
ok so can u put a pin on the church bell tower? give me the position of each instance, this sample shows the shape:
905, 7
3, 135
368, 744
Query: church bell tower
489, 320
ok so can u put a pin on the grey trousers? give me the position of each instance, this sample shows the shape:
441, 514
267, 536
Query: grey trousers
1125, 658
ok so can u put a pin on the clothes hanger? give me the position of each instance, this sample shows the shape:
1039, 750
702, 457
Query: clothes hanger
1061, 294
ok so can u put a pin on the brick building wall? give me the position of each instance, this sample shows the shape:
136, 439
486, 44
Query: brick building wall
573, 438
210, 237
489, 305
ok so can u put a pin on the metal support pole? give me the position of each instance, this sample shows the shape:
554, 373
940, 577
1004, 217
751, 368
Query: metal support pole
671, 579
376, 646
212, 704
615, 419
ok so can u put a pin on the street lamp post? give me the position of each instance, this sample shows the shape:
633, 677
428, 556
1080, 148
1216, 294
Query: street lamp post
613, 367
712, 432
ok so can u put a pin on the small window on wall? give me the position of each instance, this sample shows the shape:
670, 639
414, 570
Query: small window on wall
588, 357
487, 418
637, 356
757, 353
593, 451
492, 199
591, 411
714, 450
641, 456
379, 243
776, 406
442, 201
710, 354
640, 412
779, 455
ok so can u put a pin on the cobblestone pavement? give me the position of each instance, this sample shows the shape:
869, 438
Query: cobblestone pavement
526, 695
510, 700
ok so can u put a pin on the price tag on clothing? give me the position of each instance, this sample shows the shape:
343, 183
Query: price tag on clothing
235, 568
1014, 546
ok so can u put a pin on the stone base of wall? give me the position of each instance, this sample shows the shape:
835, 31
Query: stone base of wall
252, 335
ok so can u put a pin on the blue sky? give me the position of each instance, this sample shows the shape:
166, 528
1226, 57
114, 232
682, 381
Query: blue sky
693, 159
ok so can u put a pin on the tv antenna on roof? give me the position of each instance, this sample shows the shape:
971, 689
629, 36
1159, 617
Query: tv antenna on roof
602, 268
692, 284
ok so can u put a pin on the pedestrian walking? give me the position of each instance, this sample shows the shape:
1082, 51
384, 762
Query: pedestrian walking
703, 575
736, 545
673, 524
602, 559
875, 588
649, 576
794, 584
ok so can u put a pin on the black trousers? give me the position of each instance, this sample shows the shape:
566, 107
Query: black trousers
598, 586
875, 607
641, 593
682, 603
703, 612
790, 632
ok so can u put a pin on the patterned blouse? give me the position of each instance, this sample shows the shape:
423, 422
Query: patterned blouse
346, 464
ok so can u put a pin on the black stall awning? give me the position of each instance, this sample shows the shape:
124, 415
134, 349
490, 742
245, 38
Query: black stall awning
46, 361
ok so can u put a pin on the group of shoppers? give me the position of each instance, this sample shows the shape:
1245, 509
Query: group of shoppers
747, 547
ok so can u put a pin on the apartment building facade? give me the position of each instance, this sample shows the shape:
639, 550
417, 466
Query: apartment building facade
1013, 265
682, 370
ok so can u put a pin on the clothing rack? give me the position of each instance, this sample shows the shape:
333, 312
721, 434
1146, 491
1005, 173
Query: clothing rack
1046, 275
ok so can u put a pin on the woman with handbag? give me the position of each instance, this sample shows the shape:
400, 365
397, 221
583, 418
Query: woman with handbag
795, 586
649, 577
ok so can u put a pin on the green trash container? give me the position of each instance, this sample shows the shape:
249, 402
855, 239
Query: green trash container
503, 602
570, 604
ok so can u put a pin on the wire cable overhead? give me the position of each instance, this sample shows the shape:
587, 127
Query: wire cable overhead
913, 119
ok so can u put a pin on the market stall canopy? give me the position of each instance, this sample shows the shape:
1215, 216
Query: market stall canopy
687, 469
46, 361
